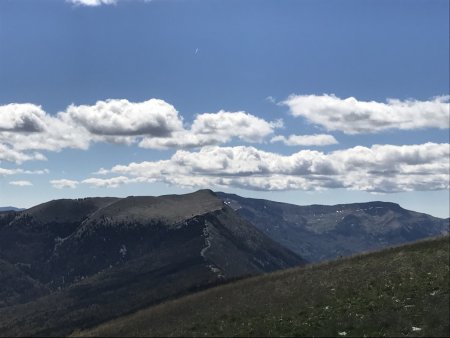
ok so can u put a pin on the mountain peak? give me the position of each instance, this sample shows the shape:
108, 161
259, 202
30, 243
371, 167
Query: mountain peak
169, 208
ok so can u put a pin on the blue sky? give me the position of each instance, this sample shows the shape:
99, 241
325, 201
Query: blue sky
166, 96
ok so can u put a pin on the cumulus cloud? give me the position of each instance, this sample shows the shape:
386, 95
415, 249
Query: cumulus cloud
352, 116
113, 182
239, 124
101, 171
23, 117
16, 171
4, 171
26, 128
380, 168
11, 155
92, 3
124, 118
95, 3
59, 135
64, 183
21, 183
216, 128
305, 140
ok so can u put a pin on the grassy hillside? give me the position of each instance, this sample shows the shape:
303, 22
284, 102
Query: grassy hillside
402, 291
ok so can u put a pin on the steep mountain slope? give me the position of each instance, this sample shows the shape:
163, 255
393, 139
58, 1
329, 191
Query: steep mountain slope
401, 291
320, 232
120, 255
16, 286
28, 238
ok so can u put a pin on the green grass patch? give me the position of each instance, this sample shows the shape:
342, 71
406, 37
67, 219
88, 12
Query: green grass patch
402, 291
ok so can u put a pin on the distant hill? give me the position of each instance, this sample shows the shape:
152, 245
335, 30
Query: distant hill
397, 292
10, 209
95, 259
321, 232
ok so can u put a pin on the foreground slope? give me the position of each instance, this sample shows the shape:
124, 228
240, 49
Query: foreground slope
322, 232
403, 291
98, 259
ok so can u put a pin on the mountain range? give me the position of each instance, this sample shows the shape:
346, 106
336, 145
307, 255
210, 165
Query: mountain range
98, 258
323, 232
67, 264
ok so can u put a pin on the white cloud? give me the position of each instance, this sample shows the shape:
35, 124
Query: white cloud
21, 183
354, 117
232, 124
305, 140
101, 171
5, 172
113, 182
271, 99
36, 172
11, 155
216, 128
64, 183
16, 171
124, 118
380, 168
92, 3
95, 3
58, 136
25, 128
25, 117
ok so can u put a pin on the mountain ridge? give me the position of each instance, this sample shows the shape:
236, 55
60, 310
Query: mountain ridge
116, 256
322, 232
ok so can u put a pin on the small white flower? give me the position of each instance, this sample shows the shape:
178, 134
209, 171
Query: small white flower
123, 250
